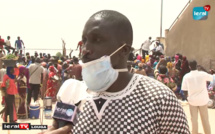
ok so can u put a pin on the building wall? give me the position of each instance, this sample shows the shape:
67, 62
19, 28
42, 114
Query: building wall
193, 38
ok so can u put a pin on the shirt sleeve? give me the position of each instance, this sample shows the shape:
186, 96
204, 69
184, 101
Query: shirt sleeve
4, 81
156, 73
208, 77
184, 84
29, 69
173, 119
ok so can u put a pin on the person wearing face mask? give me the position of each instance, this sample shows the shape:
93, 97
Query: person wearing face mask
120, 102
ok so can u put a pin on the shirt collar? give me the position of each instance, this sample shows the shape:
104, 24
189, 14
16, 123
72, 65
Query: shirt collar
193, 71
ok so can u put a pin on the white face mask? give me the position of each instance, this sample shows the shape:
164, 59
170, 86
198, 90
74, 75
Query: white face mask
99, 74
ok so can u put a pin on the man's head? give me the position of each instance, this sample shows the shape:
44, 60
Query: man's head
28, 57
193, 65
37, 60
18, 38
8, 37
16, 53
162, 69
49, 56
75, 60
150, 38
105, 32
157, 43
35, 54
44, 64
27, 54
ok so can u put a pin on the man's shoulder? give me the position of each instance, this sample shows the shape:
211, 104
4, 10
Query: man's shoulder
188, 75
41, 68
1, 40
31, 65
78, 66
202, 72
153, 88
196, 72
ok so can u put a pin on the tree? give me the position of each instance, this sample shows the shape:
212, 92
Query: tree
59, 55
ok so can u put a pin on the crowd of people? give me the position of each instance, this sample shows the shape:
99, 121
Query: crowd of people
168, 70
127, 94
6, 45
40, 75
190, 82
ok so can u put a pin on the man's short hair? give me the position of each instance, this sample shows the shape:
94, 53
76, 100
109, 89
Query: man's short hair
75, 60
37, 60
121, 24
162, 69
193, 64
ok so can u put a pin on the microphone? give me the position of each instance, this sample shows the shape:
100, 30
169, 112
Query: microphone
69, 96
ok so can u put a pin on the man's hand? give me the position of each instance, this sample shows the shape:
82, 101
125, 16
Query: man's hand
63, 130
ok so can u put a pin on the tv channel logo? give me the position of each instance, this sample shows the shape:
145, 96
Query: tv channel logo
201, 13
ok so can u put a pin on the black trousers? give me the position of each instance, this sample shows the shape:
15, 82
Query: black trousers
8, 49
34, 88
144, 53
157, 53
10, 104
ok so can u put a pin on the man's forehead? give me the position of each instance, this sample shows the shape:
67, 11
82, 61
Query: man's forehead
99, 25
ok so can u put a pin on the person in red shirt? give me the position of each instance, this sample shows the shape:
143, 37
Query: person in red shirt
52, 83
80, 43
2, 43
10, 88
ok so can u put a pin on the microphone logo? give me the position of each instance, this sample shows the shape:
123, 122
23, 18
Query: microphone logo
69, 112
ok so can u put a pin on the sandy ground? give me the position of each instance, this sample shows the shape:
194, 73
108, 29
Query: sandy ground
49, 122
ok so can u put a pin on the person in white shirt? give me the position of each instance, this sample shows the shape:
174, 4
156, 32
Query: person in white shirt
2, 73
194, 83
8, 45
35, 79
158, 50
145, 47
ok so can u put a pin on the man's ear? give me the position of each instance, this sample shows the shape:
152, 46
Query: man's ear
125, 50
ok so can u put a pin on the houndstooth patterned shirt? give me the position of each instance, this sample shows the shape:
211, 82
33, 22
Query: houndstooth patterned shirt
145, 106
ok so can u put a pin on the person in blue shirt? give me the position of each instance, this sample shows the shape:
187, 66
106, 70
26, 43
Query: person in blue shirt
18, 45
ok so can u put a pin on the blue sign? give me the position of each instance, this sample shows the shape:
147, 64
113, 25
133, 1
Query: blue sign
199, 13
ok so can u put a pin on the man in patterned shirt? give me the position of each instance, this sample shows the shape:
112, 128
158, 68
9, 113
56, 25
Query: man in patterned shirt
121, 102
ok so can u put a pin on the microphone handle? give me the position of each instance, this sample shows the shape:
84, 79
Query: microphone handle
61, 123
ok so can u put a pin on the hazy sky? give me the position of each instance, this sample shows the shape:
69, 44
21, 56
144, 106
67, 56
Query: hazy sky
42, 23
